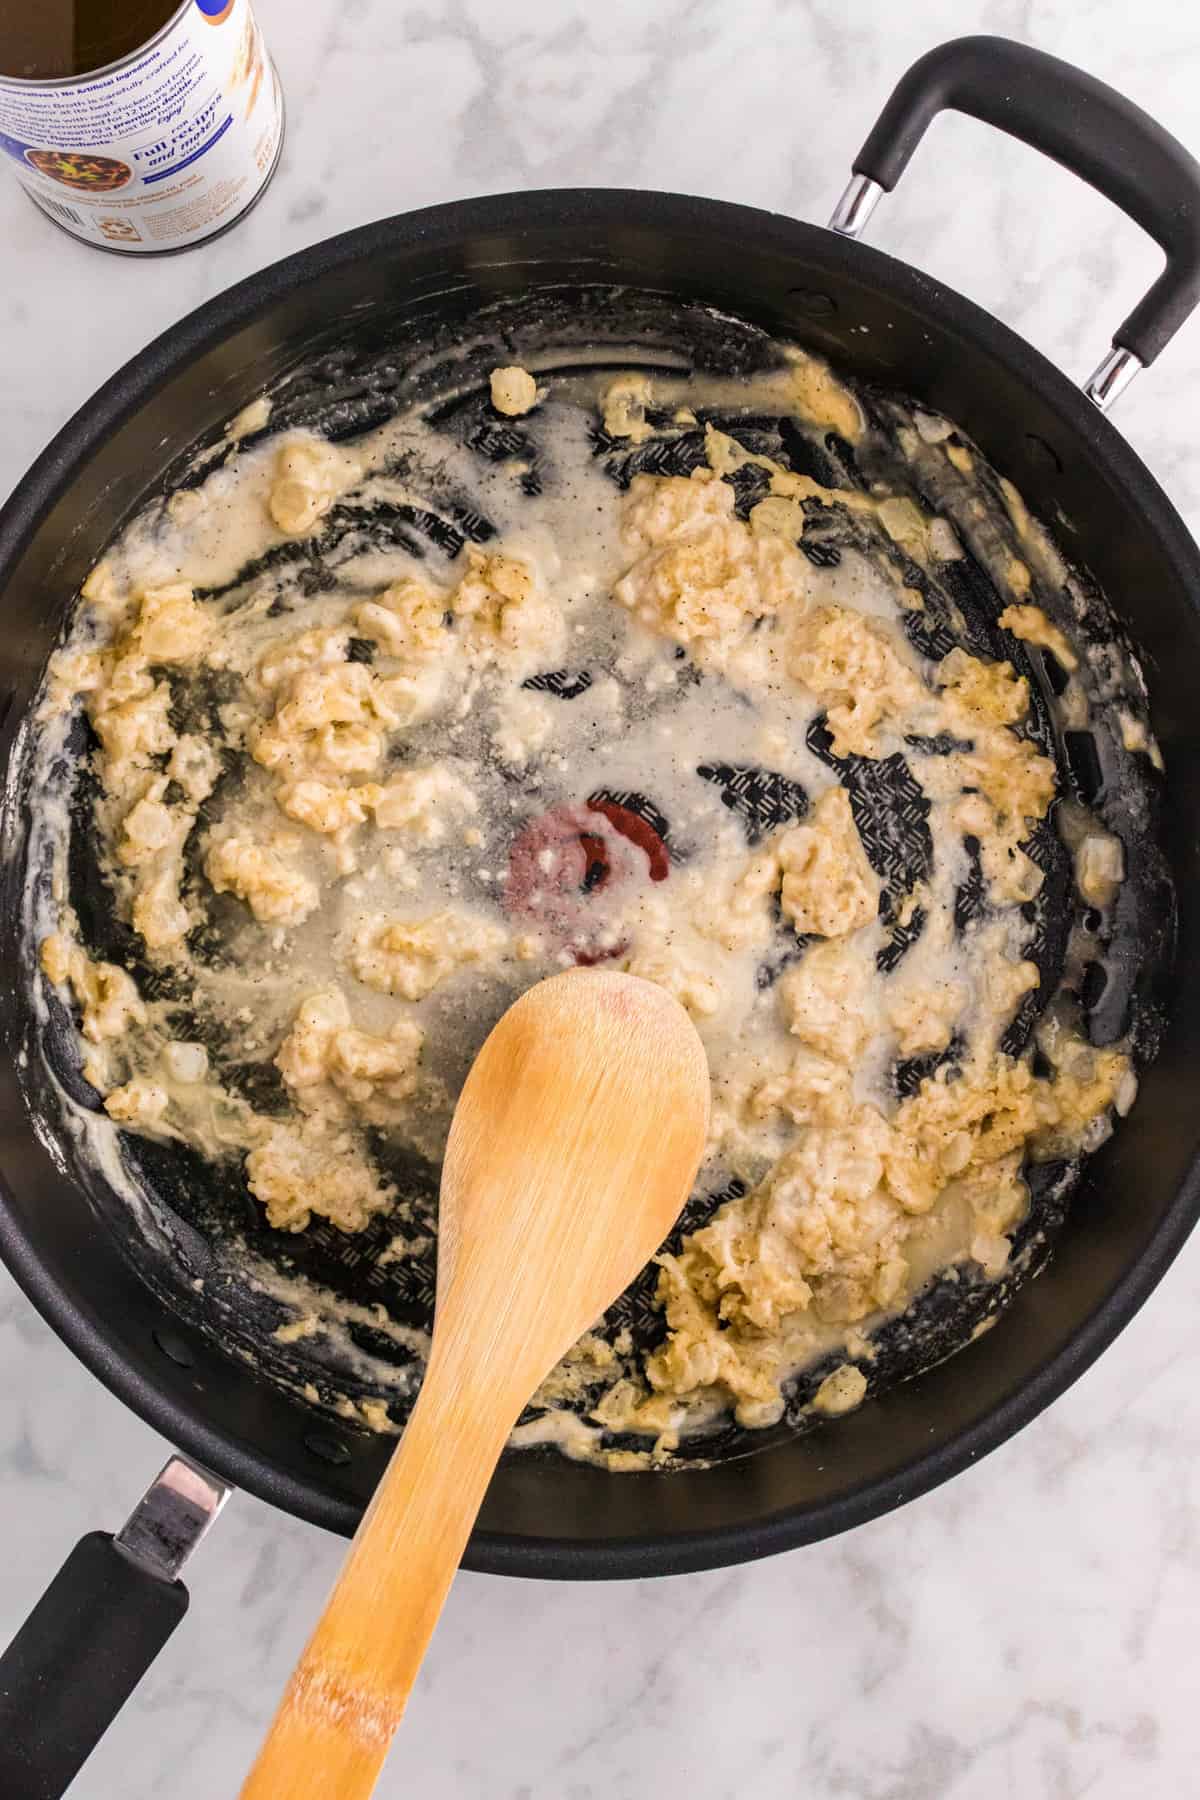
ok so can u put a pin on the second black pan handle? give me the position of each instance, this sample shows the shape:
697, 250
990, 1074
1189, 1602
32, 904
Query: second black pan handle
1087, 127
95, 1632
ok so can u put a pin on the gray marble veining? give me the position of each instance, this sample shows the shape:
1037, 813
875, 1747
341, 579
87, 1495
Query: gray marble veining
927, 1656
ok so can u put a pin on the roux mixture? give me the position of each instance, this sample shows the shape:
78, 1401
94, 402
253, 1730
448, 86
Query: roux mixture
349, 822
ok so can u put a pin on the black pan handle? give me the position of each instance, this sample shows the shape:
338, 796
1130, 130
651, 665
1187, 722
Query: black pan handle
95, 1632
1084, 125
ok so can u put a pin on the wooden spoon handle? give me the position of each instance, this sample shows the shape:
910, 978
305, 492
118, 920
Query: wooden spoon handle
348, 1692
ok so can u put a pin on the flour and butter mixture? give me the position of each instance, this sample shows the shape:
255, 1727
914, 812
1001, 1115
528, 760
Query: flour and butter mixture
660, 697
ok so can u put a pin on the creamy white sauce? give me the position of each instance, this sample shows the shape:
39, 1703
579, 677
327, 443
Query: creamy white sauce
418, 925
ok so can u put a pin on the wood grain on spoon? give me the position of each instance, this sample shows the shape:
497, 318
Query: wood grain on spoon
574, 1145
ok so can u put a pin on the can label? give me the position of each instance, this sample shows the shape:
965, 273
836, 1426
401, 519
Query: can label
160, 150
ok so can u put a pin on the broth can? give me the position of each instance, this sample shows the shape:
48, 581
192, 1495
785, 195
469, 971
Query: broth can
164, 144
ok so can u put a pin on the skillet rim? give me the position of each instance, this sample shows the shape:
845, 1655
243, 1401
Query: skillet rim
570, 210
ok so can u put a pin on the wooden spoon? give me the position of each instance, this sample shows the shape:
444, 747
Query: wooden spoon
574, 1146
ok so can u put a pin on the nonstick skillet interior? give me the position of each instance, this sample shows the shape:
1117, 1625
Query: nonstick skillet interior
212, 1256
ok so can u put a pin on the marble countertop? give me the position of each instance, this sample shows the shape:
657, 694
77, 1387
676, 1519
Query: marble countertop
920, 1657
